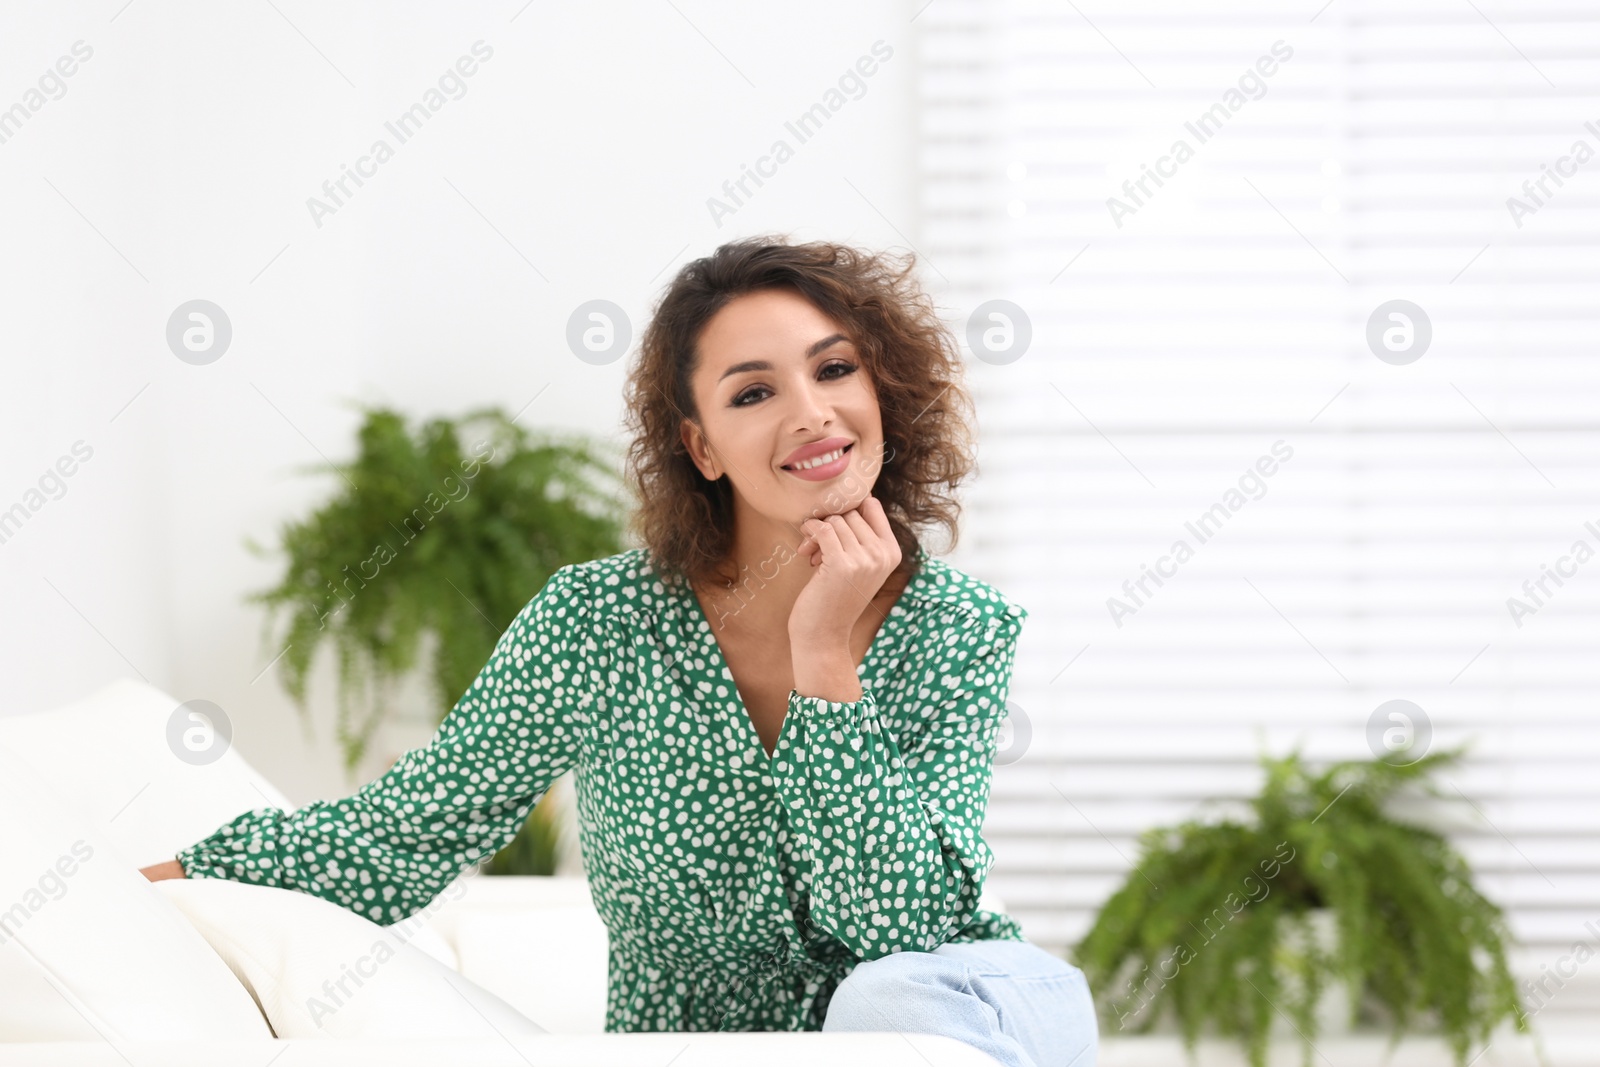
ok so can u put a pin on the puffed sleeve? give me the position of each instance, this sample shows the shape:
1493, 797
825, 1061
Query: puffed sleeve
387, 850
895, 837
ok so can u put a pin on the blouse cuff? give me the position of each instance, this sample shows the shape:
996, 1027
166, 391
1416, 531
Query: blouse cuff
234, 851
198, 863
822, 710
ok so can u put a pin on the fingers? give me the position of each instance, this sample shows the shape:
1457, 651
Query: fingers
865, 535
864, 526
872, 510
827, 537
845, 532
833, 533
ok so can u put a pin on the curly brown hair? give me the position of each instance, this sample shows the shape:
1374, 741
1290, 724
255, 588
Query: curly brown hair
686, 521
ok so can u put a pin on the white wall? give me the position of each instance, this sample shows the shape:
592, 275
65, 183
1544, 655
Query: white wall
177, 165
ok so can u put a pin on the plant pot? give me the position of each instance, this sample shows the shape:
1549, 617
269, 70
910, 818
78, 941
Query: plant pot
1316, 935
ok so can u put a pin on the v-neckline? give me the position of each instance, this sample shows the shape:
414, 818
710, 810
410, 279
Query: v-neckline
892, 624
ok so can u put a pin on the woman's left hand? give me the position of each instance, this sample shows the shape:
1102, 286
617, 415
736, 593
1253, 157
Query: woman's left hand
851, 556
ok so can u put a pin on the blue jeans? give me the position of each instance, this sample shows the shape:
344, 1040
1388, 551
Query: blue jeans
1012, 999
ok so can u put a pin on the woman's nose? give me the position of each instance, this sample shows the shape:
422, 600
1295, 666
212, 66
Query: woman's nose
810, 410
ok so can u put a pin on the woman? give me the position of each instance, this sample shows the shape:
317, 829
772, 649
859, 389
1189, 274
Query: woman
781, 809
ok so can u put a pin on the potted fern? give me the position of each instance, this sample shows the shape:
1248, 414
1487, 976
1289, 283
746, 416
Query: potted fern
1217, 925
428, 537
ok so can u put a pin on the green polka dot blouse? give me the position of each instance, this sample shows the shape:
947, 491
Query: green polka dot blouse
738, 889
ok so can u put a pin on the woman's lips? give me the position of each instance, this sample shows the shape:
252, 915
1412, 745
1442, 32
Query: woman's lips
825, 471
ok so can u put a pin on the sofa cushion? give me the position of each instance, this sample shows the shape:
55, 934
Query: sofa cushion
320, 970
149, 776
550, 963
89, 951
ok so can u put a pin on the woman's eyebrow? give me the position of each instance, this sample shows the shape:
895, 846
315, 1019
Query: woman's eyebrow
760, 364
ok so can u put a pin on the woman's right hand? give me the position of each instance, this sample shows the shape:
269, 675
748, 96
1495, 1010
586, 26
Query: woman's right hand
169, 869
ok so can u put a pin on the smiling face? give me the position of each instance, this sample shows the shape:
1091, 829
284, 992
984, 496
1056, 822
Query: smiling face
776, 375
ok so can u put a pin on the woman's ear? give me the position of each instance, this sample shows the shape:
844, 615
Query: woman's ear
695, 441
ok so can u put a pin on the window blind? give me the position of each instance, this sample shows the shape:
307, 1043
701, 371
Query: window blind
1232, 313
